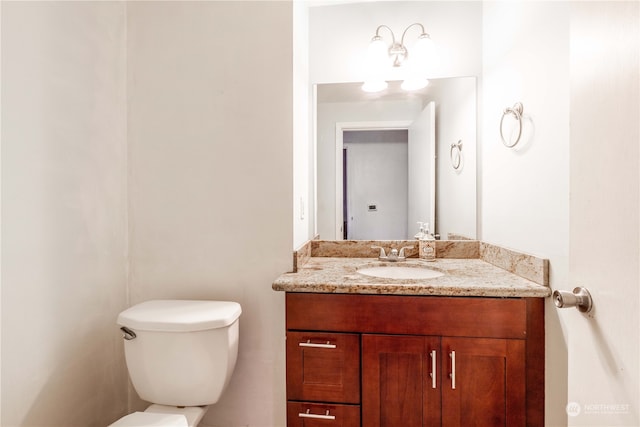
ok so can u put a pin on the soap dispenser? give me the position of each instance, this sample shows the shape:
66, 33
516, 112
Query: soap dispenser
427, 245
420, 234
426, 233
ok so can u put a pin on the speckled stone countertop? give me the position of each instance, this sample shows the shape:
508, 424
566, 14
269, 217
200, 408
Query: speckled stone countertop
462, 277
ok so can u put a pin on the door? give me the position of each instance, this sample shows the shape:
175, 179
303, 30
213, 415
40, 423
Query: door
422, 169
604, 188
400, 381
484, 383
376, 184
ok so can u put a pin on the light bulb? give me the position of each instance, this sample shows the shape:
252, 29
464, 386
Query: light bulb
374, 85
424, 45
423, 55
414, 83
377, 53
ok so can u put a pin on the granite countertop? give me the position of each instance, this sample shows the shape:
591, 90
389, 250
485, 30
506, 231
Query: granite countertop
462, 277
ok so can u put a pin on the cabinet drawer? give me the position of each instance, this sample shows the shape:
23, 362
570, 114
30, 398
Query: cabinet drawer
323, 367
303, 414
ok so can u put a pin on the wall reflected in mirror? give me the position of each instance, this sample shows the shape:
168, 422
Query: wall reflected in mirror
379, 184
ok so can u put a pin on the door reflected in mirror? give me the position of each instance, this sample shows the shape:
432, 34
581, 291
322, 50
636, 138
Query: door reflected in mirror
383, 160
374, 177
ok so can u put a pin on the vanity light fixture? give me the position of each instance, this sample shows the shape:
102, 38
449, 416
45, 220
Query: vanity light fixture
382, 56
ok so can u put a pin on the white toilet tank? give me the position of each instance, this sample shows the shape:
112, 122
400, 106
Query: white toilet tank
184, 351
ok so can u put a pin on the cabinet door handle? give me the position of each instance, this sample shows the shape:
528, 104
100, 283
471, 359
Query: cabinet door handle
316, 345
326, 416
433, 369
453, 369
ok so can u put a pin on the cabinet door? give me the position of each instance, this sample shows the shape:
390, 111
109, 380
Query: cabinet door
484, 384
400, 381
303, 414
323, 367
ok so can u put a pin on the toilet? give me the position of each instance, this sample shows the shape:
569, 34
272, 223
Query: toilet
180, 355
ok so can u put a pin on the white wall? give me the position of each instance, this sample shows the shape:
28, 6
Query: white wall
525, 191
340, 35
64, 213
605, 214
210, 145
303, 139
578, 82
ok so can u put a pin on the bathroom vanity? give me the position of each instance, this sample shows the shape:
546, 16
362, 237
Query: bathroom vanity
464, 349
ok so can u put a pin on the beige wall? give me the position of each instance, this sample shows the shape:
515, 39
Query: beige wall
210, 176
64, 213
146, 153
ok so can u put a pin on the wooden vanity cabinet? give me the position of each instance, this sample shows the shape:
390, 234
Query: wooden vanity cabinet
422, 361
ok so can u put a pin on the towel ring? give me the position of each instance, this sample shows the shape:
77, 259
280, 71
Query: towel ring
455, 153
516, 111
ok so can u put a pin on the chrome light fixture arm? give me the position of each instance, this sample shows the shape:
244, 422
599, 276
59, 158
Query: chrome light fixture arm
423, 34
379, 37
381, 53
396, 50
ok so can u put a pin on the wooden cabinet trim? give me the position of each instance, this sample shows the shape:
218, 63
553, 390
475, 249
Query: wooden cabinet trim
408, 315
535, 357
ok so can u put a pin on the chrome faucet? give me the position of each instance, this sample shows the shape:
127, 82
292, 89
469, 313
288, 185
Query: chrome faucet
394, 255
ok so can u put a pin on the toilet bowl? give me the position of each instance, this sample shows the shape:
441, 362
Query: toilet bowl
170, 347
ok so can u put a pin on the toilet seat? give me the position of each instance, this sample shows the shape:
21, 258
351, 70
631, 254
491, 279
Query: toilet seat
151, 419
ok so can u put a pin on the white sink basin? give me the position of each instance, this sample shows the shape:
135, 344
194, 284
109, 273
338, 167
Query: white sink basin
400, 272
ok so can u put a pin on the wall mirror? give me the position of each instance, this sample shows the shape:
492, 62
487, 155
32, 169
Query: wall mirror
388, 160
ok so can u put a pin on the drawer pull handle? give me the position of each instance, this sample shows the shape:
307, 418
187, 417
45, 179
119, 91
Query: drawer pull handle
326, 416
453, 370
433, 369
316, 345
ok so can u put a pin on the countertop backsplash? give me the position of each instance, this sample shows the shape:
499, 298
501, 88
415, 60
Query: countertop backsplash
530, 267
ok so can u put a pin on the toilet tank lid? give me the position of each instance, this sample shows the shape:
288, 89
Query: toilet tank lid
180, 315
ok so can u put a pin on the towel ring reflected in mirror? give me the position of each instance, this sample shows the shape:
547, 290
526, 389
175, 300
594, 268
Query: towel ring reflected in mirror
516, 112
455, 153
